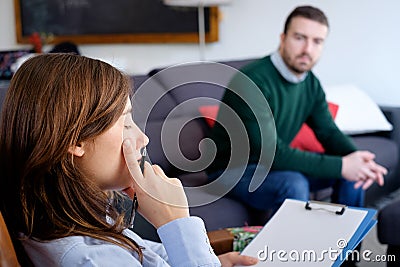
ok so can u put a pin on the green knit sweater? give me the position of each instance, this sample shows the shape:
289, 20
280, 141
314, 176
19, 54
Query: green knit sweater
291, 104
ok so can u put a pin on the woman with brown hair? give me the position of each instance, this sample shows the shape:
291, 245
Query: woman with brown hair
63, 150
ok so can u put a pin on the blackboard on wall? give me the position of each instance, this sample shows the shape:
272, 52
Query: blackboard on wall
111, 21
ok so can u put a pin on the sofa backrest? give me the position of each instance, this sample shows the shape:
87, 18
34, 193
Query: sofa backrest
166, 106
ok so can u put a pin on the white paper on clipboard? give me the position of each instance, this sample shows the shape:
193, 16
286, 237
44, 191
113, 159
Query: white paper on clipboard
296, 236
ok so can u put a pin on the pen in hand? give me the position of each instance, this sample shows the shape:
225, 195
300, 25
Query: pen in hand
134, 201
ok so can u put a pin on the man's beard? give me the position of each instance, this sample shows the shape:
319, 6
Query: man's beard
298, 71
294, 68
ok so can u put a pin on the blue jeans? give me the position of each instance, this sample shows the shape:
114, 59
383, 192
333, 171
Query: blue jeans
279, 185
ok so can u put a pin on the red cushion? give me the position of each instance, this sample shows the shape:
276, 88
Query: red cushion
209, 113
306, 140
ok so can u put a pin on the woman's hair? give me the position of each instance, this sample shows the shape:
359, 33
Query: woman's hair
56, 101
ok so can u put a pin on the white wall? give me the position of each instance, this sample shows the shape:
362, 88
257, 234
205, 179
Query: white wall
362, 47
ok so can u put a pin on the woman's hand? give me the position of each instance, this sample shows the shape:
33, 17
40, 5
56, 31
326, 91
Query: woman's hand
161, 199
234, 258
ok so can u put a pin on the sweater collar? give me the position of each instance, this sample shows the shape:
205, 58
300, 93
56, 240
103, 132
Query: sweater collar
280, 65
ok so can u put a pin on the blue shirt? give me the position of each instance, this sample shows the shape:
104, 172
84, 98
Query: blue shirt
184, 243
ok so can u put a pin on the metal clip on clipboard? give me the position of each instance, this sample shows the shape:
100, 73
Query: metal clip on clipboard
329, 207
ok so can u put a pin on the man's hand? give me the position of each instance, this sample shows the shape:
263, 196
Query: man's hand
231, 259
360, 167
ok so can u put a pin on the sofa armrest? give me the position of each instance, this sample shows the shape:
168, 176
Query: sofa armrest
393, 116
388, 229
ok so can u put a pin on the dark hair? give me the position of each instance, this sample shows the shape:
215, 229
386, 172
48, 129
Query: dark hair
56, 101
65, 47
307, 12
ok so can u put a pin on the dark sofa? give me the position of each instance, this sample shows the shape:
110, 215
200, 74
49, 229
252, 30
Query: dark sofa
389, 231
166, 107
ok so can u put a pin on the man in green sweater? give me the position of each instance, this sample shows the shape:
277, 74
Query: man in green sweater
284, 80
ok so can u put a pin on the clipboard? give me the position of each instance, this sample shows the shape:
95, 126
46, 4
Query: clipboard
310, 234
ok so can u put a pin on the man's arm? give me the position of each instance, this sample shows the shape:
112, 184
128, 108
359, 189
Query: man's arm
357, 166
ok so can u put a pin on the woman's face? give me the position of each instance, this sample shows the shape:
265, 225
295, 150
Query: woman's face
103, 158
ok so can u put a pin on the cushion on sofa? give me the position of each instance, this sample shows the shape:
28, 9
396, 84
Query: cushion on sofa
209, 113
358, 113
306, 139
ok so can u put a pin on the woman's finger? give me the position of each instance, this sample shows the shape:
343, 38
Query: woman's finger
157, 169
131, 160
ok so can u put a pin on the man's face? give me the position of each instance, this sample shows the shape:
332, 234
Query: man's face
302, 45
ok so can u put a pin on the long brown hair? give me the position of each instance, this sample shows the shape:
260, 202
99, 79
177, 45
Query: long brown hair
54, 102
